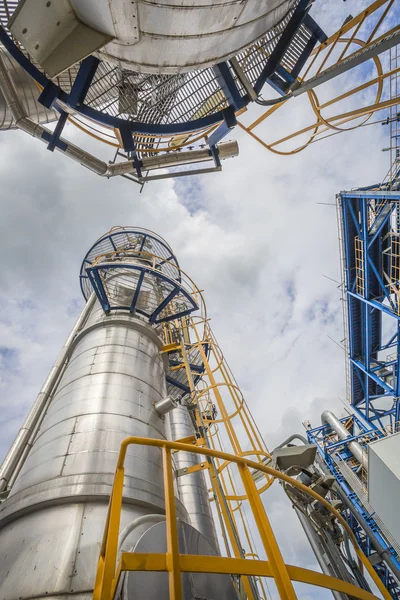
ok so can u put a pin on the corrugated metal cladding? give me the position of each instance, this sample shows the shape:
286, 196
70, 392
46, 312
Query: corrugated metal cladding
384, 481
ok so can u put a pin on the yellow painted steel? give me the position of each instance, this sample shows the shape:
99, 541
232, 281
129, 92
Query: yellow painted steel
176, 563
200, 467
277, 564
175, 578
235, 501
325, 51
260, 568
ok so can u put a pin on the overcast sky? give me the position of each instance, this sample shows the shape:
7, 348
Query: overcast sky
254, 237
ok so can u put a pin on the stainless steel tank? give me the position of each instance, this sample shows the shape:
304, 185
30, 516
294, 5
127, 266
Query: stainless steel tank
53, 520
167, 36
164, 36
192, 488
108, 385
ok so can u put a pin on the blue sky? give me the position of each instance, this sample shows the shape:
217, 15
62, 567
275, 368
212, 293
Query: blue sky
253, 237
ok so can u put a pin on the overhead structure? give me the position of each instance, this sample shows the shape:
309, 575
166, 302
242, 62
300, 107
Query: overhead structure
141, 413
162, 84
371, 253
134, 76
368, 36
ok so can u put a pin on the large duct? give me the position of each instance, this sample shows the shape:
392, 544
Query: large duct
355, 448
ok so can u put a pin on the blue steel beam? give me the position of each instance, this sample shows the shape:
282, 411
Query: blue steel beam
367, 215
94, 275
52, 93
321, 437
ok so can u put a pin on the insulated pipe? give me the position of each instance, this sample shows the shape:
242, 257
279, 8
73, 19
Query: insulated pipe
355, 448
319, 551
20, 442
193, 489
144, 520
22, 121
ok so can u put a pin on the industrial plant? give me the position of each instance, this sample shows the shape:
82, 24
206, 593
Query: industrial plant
139, 471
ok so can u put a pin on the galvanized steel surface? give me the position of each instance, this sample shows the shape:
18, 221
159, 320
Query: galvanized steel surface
354, 447
193, 491
53, 520
28, 93
164, 36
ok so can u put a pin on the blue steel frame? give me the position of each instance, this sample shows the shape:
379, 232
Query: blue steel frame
375, 378
273, 73
94, 274
86, 263
322, 437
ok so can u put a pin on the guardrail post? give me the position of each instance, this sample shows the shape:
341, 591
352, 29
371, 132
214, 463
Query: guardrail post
278, 567
174, 571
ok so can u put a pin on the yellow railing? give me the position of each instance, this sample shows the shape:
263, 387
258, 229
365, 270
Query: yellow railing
359, 33
110, 565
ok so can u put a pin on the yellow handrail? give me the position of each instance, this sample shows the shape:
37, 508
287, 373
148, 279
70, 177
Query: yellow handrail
108, 571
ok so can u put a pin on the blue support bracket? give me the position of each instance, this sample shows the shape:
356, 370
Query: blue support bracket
163, 304
55, 138
83, 81
49, 94
137, 291
98, 288
129, 145
228, 85
178, 384
215, 155
80, 87
229, 123
48, 137
283, 44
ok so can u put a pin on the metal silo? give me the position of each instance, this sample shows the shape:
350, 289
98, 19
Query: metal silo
108, 383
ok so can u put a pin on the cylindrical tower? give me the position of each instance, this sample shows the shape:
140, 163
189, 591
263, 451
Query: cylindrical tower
111, 384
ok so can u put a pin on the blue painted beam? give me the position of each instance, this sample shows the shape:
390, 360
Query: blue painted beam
137, 291
55, 138
282, 45
83, 81
229, 123
163, 305
228, 85
375, 304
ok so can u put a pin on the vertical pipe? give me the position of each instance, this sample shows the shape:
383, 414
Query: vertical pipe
354, 447
192, 488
